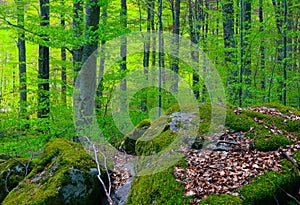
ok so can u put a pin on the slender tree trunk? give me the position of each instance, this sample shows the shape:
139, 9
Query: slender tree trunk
78, 28
100, 87
262, 50
123, 53
147, 54
43, 64
63, 68
246, 49
194, 54
22, 58
160, 54
229, 44
284, 53
175, 60
241, 71
152, 4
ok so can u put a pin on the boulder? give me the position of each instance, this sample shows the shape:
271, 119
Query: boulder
12, 171
65, 174
127, 144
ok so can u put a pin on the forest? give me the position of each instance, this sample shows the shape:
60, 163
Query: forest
149, 102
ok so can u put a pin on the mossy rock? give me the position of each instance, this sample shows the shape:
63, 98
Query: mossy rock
155, 138
281, 123
65, 174
222, 199
12, 171
263, 188
271, 142
127, 144
160, 188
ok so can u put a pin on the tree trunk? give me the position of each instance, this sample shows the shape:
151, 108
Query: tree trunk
123, 53
262, 51
175, 60
43, 64
246, 49
22, 58
77, 27
229, 44
102, 62
87, 79
160, 54
194, 54
63, 68
147, 54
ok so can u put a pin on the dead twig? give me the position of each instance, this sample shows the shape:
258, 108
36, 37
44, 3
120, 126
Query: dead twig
107, 192
289, 195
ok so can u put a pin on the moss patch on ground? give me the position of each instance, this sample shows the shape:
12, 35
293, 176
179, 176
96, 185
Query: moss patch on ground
223, 199
63, 175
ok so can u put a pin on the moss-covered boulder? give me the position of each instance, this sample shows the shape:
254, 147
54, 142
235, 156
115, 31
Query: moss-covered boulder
159, 188
263, 188
127, 144
65, 174
12, 171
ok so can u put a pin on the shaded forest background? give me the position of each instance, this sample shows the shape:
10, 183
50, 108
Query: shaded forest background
254, 45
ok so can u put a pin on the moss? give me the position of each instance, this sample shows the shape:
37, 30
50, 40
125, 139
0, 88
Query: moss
54, 172
12, 171
239, 122
128, 142
156, 144
160, 188
223, 199
144, 123
281, 123
265, 187
271, 143
282, 108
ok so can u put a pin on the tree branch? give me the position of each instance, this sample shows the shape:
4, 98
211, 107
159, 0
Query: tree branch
107, 192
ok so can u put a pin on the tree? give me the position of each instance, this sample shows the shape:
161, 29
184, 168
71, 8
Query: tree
77, 27
160, 54
22, 56
262, 49
100, 87
245, 46
43, 63
194, 35
87, 81
229, 45
123, 53
175, 60
63, 58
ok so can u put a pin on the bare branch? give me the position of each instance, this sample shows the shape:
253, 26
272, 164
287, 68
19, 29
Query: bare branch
290, 195
107, 192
